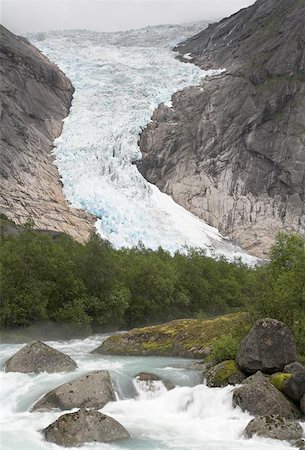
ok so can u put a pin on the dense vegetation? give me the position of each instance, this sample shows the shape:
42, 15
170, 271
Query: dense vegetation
95, 287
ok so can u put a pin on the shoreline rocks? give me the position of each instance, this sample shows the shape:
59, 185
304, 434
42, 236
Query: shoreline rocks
259, 397
274, 427
223, 374
74, 429
92, 390
269, 347
39, 357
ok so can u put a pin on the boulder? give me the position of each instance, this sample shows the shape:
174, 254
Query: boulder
224, 373
74, 429
39, 357
294, 367
294, 386
92, 390
268, 347
260, 398
274, 427
302, 404
149, 378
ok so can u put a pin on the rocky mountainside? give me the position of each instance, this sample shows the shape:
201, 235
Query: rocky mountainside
232, 150
35, 98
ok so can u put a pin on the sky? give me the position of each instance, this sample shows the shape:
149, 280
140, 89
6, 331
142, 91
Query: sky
22, 16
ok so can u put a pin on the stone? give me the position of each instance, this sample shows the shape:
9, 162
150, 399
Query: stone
92, 390
274, 427
231, 150
294, 367
74, 429
149, 378
223, 374
260, 398
294, 386
35, 98
268, 347
39, 357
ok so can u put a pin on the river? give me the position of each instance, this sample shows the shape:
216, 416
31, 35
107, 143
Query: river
189, 417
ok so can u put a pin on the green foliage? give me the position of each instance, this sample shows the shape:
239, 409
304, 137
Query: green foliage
224, 348
95, 287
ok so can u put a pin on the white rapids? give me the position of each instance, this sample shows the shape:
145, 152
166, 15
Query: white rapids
189, 417
119, 79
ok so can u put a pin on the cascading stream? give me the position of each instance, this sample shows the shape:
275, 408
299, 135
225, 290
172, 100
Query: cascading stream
119, 79
191, 416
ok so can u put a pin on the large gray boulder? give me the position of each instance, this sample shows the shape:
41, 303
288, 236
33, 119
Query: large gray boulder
268, 347
274, 427
92, 390
74, 429
39, 357
260, 398
294, 386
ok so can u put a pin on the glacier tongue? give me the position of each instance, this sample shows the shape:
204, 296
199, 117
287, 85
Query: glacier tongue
119, 79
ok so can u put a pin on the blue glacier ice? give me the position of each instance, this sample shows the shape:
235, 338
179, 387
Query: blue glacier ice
119, 79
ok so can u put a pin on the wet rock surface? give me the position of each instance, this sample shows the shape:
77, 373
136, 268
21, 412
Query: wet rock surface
39, 357
224, 373
74, 429
92, 390
274, 427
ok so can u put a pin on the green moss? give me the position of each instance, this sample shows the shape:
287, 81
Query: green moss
222, 373
186, 337
278, 379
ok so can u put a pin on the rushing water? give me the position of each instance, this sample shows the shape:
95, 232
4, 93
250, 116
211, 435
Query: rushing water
189, 417
119, 79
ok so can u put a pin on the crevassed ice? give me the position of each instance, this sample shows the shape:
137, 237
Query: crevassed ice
119, 79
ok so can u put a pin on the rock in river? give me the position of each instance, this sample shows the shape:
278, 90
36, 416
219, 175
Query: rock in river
92, 390
74, 429
260, 398
39, 357
274, 427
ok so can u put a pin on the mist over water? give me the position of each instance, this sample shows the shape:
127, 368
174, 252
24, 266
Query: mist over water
189, 417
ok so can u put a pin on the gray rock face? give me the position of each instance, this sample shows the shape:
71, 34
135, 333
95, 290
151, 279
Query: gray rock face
294, 387
260, 398
74, 429
39, 357
294, 367
232, 150
268, 347
35, 98
93, 390
274, 427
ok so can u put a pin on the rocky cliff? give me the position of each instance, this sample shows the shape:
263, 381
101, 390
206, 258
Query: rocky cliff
232, 150
35, 98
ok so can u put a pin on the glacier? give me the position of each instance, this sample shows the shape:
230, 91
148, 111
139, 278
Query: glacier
119, 79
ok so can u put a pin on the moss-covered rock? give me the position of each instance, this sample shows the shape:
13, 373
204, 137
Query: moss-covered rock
224, 373
185, 338
278, 380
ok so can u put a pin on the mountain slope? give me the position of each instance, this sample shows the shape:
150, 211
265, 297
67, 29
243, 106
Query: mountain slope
232, 151
35, 98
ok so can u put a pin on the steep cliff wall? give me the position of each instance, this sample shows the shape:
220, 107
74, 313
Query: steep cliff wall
232, 150
35, 98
